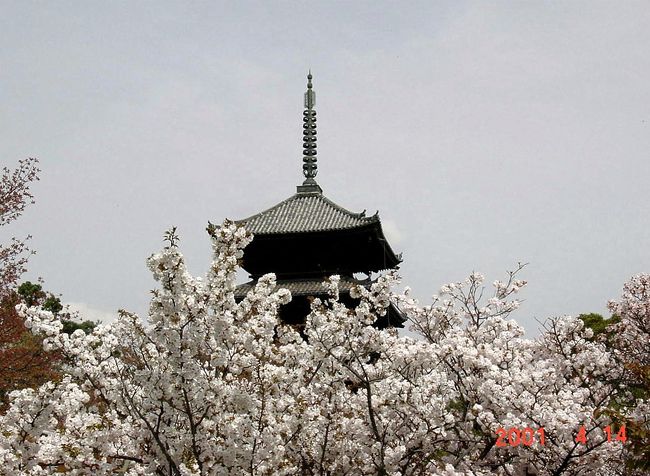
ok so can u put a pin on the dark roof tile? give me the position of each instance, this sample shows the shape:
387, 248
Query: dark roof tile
302, 287
305, 212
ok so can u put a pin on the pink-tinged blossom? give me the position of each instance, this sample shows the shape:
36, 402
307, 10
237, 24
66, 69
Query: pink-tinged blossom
15, 195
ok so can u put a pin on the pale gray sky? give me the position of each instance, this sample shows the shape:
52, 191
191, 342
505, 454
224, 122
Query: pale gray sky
485, 133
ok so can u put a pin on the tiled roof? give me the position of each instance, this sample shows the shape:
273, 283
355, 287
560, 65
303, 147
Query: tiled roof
305, 212
302, 287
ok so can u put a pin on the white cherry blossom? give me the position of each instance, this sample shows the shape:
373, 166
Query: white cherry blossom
209, 386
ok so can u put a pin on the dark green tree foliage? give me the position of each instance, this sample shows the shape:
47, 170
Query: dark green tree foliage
33, 295
69, 326
599, 324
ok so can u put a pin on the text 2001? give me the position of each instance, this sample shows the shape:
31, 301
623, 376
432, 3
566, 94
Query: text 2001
517, 437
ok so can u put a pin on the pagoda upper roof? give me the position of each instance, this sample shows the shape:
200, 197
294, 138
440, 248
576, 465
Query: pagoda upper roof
304, 213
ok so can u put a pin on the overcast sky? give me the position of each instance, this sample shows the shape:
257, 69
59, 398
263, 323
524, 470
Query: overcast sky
485, 133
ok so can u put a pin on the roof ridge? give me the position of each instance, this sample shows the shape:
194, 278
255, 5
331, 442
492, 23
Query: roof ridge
361, 214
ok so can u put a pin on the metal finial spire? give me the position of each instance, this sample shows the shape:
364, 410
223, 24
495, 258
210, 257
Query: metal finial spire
309, 167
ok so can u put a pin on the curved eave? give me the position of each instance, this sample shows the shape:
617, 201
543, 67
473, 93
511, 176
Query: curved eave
302, 291
395, 259
304, 287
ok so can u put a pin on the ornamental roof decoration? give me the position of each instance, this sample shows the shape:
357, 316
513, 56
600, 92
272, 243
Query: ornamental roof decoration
309, 165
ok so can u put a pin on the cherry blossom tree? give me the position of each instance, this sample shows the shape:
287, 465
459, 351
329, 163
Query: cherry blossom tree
629, 337
15, 195
23, 361
207, 385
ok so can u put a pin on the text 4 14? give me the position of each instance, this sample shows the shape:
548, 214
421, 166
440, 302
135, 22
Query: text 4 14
528, 436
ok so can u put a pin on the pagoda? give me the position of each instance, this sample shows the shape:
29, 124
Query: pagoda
307, 238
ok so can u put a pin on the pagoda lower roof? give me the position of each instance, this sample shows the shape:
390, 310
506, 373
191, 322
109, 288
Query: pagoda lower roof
303, 287
304, 213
